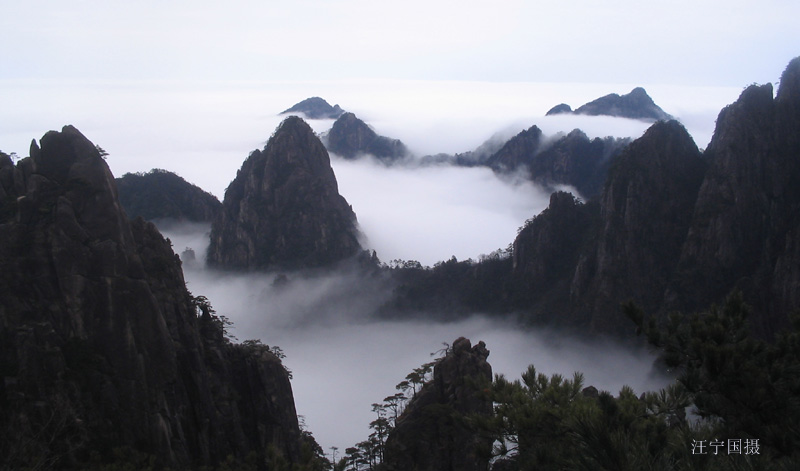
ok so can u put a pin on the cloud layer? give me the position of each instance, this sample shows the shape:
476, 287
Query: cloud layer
343, 358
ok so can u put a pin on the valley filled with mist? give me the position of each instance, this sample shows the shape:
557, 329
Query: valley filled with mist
344, 356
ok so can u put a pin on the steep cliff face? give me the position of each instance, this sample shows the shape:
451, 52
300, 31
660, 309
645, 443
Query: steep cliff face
160, 194
546, 252
645, 212
434, 432
283, 209
351, 137
583, 260
102, 349
745, 223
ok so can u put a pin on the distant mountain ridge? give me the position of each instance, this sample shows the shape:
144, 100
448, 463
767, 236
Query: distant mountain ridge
315, 108
351, 138
572, 159
635, 105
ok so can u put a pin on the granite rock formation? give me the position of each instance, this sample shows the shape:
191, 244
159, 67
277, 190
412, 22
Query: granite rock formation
103, 356
315, 108
351, 138
283, 209
435, 431
160, 194
645, 213
746, 221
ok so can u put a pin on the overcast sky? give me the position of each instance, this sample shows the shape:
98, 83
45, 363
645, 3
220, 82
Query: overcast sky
682, 41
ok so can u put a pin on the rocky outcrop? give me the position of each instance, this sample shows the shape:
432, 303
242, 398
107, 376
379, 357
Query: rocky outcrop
283, 209
546, 252
315, 108
635, 105
747, 217
102, 354
351, 138
645, 213
160, 194
436, 431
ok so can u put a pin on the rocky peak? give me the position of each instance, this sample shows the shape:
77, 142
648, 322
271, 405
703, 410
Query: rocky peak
789, 90
518, 151
351, 137
315, 108
635, 105
645, 209
102, 348
561, 108
745, 221
571, 159
433, 433
283, 209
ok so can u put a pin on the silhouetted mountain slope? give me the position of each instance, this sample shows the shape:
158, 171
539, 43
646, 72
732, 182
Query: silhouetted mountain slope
518, 151
160, 194
283, 209
103, 353
635, 105
350, 138
315, 108
645, 211
571, 159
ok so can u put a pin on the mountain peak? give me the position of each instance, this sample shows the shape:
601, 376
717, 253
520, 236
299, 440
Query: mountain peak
351, 137
635, 105
284, 209
789, 89
315, 108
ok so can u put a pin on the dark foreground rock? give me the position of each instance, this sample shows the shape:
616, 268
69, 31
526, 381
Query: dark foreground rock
104, 357
436, 431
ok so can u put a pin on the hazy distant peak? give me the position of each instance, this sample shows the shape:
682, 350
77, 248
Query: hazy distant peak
316, 108
562, 108
635, 105
351, 138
